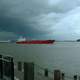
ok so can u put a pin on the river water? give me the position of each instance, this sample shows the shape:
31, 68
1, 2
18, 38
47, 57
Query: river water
60, 55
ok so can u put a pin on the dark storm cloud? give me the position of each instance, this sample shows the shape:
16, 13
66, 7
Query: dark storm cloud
39, 19
14, 17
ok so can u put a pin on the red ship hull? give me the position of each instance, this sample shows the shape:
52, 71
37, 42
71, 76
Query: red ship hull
36, 42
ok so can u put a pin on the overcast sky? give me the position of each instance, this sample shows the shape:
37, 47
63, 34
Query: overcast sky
40, 19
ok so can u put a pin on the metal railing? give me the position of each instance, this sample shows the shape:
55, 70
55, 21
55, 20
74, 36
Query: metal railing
42, 73
6, 68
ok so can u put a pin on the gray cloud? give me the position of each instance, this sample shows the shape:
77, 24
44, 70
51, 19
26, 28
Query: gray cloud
7, 35
40, 19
